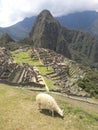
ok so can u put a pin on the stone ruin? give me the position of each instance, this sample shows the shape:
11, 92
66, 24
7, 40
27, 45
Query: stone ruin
65, 72
14, 74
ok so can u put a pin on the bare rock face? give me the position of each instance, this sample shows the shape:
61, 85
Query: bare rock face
47, 33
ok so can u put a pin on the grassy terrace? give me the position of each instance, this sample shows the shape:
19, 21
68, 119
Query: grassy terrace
18, 111
25, 57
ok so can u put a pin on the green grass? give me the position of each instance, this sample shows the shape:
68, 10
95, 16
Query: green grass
22, 57
50, 84
81, 114
44, 70
18, 111
25, 57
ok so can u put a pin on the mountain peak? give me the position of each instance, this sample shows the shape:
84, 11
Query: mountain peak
45, 13
43, 22
45, 16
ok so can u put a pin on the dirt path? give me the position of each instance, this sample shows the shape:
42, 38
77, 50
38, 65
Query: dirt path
87, 104
47, 89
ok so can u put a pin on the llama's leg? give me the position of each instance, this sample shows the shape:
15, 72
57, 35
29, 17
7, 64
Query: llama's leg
52, 113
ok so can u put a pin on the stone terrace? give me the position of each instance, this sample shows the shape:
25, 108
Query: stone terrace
65, 72
14, 74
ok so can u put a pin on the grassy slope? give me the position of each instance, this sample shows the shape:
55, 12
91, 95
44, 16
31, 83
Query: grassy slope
18, 111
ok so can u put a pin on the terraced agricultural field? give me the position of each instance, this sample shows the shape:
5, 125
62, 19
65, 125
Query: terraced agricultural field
25, 57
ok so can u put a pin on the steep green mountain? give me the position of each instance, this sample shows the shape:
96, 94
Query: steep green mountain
48, 33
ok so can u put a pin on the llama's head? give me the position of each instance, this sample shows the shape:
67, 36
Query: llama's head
61, 112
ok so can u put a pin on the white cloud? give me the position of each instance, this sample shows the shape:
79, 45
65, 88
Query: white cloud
12, 11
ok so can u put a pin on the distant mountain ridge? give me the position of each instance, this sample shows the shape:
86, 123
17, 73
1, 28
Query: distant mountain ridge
19, 30
86, 21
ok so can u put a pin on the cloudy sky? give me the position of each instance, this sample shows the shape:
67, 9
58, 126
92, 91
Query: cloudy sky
12, 11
